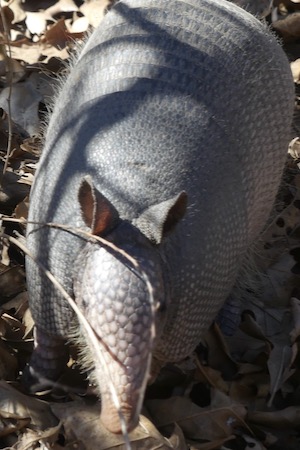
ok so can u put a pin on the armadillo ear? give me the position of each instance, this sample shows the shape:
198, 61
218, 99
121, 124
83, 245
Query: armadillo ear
96, 210
159, 220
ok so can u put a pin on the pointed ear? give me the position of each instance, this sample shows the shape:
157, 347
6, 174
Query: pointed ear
159, 220
96, 210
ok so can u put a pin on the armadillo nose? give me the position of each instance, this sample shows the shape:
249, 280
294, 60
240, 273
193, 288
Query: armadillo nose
112, 421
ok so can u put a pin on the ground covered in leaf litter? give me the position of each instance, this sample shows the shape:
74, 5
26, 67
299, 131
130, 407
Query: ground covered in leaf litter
236, 393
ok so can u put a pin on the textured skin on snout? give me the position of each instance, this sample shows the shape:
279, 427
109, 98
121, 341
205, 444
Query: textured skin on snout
118, 309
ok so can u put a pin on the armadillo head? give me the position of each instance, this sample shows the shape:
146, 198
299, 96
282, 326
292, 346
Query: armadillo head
123, 297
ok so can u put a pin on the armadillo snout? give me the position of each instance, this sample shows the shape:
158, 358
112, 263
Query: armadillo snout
112, 418
116, 303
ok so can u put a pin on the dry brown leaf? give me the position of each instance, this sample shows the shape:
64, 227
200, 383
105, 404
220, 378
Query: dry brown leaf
24, 104
294, 147
19, 304
216, 444
263, 322
10, 68
10, 423
11, 191
28, 323
2, 65
12, 281
214, 422
213, 377
250, 326
32, 145
31, 437
26, 51
279, 282
260, 382
58, 36
21, 211
285, 419
218, 354
8, 363
14, 402
82, 423
246, 368
241, 392
50, 53
295, 306
288, 28
14, 328
176, 438
8, 15
18, 12
279, 361
4, 247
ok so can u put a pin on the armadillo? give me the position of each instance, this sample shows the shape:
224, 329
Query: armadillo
168, 139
